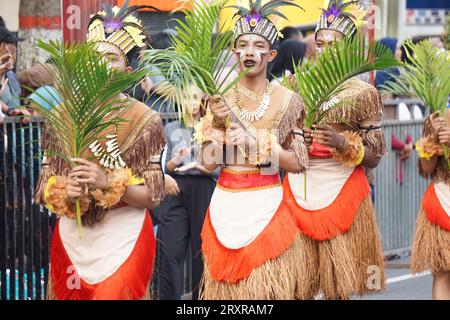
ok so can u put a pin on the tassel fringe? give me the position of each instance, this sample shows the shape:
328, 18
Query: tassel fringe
364, 102
294, 116
376, 142
149, 144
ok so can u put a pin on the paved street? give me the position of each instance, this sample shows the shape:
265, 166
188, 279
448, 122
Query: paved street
402, 285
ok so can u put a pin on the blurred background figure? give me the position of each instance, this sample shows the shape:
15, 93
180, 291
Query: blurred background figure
9, 85
291, 52
291, 33
388, 74
181, 216
151, 91
310, 42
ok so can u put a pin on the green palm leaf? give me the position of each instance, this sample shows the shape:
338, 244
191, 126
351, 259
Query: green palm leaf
89, 90
196, 56
318, 82
427, 77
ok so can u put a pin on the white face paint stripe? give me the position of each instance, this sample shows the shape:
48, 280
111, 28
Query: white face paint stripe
250, 39
328, 37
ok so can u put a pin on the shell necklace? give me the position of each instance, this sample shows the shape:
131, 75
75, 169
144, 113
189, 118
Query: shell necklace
263, 104
111, 158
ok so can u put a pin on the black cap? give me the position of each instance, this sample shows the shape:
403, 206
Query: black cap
7, 36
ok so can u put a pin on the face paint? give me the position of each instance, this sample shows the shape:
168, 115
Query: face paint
252, 47
112, 56
262, 56
326, 38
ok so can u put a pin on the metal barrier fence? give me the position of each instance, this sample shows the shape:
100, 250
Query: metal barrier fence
397, 204
26, 229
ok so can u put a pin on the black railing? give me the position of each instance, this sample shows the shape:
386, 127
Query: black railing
25, 228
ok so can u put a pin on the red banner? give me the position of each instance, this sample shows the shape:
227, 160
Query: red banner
162, 5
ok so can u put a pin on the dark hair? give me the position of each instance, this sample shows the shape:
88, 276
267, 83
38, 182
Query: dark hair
2, 22
290, 52
161, 41
288, 32
132, 55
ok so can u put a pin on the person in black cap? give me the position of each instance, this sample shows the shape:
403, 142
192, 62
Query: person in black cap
9, 86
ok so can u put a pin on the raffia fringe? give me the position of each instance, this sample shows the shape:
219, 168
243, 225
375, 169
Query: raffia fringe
363, 102
376, 142
347, 262
431, 247
147, 145
350, 156
117, 184
277, 279
294, 116
154, 182
442, 173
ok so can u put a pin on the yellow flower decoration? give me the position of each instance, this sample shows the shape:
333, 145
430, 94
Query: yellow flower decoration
421, 151
51, 181
199, 129
135, 181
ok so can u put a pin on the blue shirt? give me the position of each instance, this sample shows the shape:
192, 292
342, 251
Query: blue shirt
10, 97
46, 97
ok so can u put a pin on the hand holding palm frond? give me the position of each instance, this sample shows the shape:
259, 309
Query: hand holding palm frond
197, 56
89, 89
317, 83
427, 78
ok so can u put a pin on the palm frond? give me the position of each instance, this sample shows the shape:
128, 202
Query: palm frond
196, 56
318, 82
427, 77
272, 7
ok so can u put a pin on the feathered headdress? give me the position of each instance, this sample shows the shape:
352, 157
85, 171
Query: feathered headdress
117, 26
254, 19
344, 16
